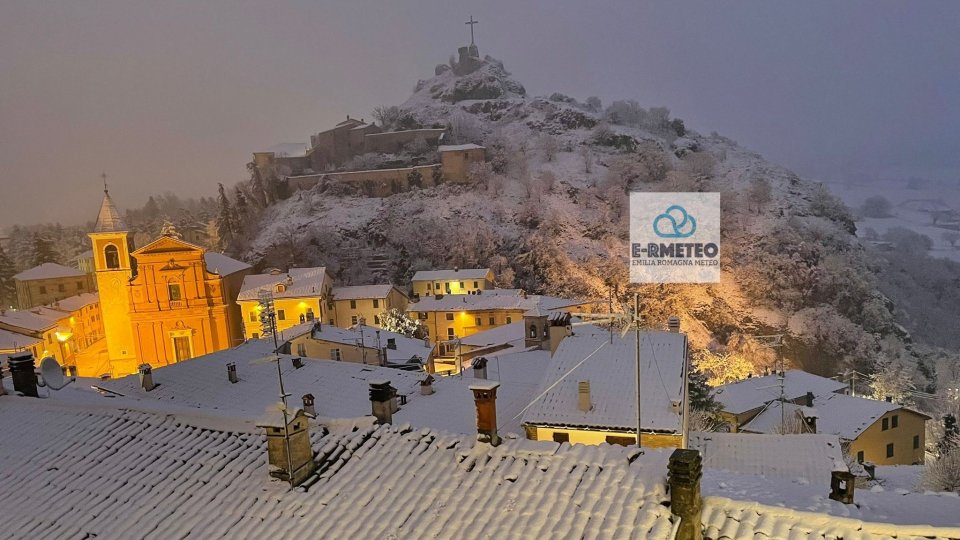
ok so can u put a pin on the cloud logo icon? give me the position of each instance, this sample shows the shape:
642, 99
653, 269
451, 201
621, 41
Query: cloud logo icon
675, 223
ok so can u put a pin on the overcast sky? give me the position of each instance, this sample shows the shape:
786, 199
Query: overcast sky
174, 95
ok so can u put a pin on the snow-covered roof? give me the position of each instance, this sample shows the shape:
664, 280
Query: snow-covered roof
446, 275
451, 407
748, 394
512, 299
13, 341
455, 147
36, 319
611, 370
770, 420
122, 473
512, 333
108, 219
340, 388
75, 303
48, 271
298, 282
406, 348
849, 416
220, 264
812, 457
360, 292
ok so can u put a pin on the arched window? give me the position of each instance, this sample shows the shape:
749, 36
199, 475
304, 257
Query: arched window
112, 257
533, 330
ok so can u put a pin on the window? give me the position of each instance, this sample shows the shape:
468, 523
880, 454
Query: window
860, 456
476, 285
61, 287
173, 289
890, 450
253, 316
493, 320
479, 321
335, 354
450, 334
353, 304
353, 319
310, 314
422, 315
449, 316
916, 442
281, 315
437, 286
280, 288
376, 320
561, 437
43, 289
429, 286
895, 420
111, 257
509, 319
622, 441
256, 335
301, 349
533, 330
885, 424
376, 302
181, 348
461, 285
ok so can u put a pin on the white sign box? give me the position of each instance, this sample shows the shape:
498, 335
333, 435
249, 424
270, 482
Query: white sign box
674, 237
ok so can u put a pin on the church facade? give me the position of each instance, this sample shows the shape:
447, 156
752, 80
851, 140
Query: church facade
165, 302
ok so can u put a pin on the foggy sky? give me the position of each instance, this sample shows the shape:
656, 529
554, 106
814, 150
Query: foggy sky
175, 95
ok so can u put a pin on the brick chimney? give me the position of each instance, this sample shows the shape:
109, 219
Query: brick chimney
479, 365
146, 377
583, 396
300, 458
22, 371
485, 396
232, 373
684, 472
308, 408
673, 324
383, 399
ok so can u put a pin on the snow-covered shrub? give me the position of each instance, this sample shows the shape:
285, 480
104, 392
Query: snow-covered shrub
944, 473
876, 207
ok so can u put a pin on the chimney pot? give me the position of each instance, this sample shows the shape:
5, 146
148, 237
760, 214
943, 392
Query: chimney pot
146, 377
673, 324
583, 396
485, 397
809, 399
383, 400
232, 373
479, 367
426, 385
23, 372
308, 406
297, 362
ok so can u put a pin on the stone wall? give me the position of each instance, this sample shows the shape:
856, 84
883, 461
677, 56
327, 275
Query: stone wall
392, 142
377, 182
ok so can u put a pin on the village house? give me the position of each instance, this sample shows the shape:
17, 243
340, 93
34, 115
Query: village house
366, 303
456, 281
447, 318
165, 302
588, 394
49, 327
15, 342
456, 160
880, 432
299, 295
362, 345
49, 282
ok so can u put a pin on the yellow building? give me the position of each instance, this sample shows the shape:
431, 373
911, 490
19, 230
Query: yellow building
456, 281
459, 315
299, 295
165, 302
366, 302
456, 160
362, 345
49, 327
13, 342
49, 282
597, 403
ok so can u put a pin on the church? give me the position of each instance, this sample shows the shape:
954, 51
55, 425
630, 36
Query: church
165, 302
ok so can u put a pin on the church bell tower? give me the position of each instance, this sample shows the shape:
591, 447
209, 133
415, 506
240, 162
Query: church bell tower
114, 267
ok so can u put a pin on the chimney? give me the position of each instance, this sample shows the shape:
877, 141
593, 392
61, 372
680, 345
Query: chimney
297, 362
392, 343
479, 365
308, 407
889, 399
296, 442
684, 471
383, 399
146, 377
673, 324
232, 373
456, 268
426, 385
485, 396
841, 486
809, 399
23, 373
583, 396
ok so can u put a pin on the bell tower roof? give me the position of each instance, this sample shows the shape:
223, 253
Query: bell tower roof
108, 220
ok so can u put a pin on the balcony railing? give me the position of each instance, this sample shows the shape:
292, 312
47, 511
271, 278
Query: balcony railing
178, 304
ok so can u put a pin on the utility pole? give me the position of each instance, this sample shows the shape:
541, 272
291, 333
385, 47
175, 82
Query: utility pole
268, 323
776, 341
636, 320
363, 349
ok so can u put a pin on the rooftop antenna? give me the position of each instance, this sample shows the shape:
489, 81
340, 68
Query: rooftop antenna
268, 324
775, 341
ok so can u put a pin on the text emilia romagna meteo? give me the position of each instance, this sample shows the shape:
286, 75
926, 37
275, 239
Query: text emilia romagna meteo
674, 237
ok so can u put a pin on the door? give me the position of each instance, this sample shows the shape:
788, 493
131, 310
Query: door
182, 349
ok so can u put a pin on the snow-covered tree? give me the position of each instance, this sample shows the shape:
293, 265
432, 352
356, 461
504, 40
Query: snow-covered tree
226, 219
944, 473
43, 251
549, 146
722, 368
394, 320
759, 193
892, 380
8, 288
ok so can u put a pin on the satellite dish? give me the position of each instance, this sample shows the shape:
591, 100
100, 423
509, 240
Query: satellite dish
52, 374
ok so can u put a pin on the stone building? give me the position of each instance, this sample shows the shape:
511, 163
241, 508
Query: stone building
50, 282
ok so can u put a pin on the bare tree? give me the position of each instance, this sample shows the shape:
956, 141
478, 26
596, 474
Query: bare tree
587, 155
549, 146
944, 473
547, 181
388, 116
759, 194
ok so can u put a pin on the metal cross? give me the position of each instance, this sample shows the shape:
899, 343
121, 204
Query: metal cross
104, 176
471, 22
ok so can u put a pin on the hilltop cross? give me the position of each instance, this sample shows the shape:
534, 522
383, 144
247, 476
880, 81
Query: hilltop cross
471, 22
